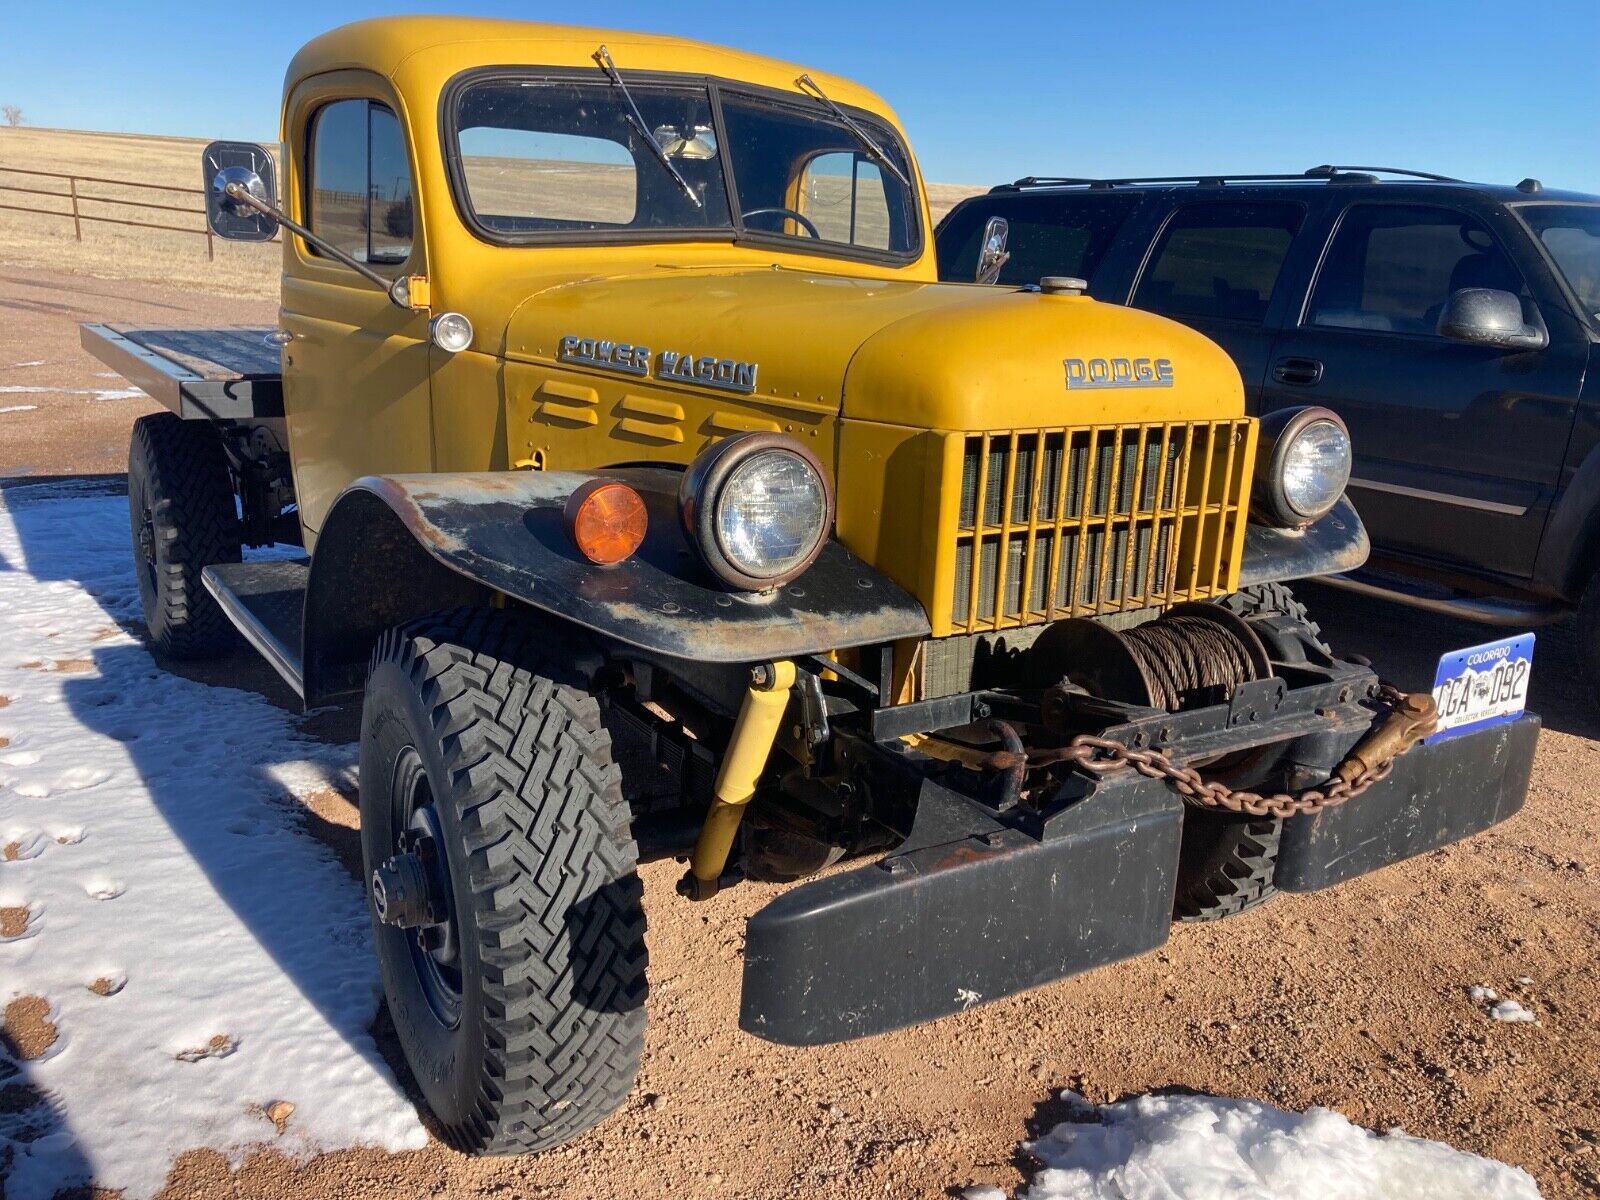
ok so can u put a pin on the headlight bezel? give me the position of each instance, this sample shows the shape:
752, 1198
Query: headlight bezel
1279, 431
700, 505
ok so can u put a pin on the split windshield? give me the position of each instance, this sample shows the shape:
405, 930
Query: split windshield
562, 158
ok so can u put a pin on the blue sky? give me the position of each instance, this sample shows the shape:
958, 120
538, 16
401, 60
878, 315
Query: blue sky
1492, 91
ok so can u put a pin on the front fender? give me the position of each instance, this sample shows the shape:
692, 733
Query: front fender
505, 532
1331, 546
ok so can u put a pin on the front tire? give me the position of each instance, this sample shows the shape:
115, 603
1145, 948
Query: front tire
523, 1017
183, 519
1227, 862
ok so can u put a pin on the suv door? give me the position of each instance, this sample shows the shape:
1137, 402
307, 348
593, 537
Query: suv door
1215, 266
356, 382
1458, 446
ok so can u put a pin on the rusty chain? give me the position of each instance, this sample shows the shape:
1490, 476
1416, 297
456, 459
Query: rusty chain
1409, 718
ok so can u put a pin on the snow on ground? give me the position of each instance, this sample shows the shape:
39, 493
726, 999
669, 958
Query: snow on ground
18, 408
1205, 1148
200, 957
122, 393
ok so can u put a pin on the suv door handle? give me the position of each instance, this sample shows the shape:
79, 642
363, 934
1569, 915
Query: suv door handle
1302, 372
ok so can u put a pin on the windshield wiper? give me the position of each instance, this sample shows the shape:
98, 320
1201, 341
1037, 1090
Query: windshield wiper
874, 151
603, 57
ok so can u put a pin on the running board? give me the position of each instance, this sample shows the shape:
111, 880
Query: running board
1490, 610
266, 602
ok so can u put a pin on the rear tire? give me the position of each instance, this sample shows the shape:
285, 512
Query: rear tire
183, 519
530, 1030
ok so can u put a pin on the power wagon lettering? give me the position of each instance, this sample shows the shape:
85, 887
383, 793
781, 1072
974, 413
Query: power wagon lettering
707, 370
1083, 373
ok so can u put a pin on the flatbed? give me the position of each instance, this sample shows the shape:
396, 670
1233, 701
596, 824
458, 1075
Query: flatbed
223, 373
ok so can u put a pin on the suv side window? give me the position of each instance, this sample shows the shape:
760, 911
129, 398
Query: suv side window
1219, 260
1391, 267
360, 182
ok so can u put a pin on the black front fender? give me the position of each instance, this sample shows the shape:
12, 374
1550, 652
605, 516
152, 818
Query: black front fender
1331, 546
504, 532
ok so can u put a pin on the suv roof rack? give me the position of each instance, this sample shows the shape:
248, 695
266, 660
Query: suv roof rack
1327, 172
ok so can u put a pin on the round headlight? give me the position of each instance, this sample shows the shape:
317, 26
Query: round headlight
757, 507
1303, 466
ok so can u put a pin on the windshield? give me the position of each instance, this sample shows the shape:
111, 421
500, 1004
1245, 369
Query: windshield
564, 159
1571, 233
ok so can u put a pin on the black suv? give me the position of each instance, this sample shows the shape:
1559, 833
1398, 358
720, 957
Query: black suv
1454, 326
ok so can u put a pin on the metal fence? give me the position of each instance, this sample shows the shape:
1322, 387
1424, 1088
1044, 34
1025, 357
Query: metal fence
77, 193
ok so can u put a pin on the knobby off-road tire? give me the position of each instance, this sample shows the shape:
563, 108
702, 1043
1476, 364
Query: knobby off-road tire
548, 925
183, 518
1227, 862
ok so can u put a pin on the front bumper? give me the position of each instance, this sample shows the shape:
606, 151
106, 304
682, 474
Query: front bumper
974, 907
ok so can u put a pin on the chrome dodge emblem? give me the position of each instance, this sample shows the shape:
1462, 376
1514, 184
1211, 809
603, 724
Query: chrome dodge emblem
1118, 373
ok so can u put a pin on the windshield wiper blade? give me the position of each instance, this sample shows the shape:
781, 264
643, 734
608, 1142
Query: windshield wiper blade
874, 151
636, 119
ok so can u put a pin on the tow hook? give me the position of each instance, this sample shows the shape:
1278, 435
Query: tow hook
1413, 718
406, 888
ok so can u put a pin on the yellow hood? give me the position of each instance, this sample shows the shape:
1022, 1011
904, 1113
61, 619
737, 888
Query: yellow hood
934, 356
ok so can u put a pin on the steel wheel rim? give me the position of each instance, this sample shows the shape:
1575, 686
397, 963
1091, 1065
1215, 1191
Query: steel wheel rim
437, 966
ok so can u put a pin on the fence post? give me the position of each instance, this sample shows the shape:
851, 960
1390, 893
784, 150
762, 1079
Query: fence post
211, 249
77, 225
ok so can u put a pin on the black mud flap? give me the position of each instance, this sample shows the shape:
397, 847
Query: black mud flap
934, 930
1437, 794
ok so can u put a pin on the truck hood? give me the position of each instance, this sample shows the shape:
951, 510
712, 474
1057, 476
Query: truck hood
929, 355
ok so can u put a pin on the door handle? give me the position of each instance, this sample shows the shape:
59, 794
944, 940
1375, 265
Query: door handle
1302, 372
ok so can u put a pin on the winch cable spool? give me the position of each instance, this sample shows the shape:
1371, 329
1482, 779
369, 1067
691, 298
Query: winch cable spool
1191, 655
1187, 654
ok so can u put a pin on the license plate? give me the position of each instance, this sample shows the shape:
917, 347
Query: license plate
1482, 685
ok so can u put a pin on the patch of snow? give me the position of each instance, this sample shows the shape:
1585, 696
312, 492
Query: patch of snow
1479, 994
19, 408
1205, 1148
32, 362
1524, 980
202, 956
127, 393
982, 1191
1510, 1010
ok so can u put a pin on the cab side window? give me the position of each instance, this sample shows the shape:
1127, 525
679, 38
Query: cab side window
360, 182
1219, 260
1392, 267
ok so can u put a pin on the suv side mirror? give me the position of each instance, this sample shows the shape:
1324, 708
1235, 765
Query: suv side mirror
992, 252
1491, 317
248, 164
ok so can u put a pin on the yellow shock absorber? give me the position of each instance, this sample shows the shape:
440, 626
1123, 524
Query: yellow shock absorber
760, 716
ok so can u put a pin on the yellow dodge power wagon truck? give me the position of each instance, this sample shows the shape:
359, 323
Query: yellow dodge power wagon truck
659, 503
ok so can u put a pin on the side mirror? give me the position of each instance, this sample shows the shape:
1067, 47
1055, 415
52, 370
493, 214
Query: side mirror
1491, 317
249, 165
993, 254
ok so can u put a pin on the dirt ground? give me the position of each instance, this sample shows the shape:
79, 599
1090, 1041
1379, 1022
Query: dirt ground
1354, 999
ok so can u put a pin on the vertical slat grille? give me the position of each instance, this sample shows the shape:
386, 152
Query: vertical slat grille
1055, 523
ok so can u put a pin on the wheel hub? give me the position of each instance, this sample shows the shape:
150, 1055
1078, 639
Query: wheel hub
411, 890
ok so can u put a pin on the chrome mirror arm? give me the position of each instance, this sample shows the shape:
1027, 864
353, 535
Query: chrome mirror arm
398, 290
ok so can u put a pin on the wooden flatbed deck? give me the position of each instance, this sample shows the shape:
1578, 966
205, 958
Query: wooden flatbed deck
223, 373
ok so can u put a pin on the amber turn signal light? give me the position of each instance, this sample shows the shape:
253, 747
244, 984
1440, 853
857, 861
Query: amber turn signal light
607, 521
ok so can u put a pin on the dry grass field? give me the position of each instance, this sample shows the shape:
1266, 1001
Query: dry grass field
124, 252
120, 251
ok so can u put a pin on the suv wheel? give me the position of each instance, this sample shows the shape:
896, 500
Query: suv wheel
505, 904
183, 518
